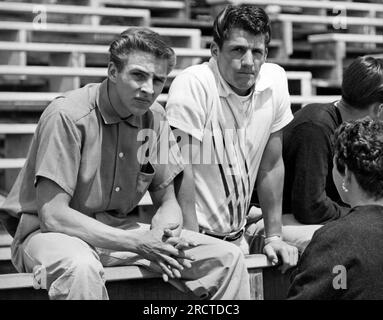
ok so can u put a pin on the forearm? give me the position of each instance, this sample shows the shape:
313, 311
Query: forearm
185, 193
270, 189
168, 213
71, 222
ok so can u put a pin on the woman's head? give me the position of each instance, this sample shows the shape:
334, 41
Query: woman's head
359, 151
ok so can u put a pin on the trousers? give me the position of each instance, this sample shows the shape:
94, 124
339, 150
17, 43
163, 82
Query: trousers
75, 269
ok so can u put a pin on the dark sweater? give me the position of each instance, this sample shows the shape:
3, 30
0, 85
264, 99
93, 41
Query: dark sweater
309, 190
355, 242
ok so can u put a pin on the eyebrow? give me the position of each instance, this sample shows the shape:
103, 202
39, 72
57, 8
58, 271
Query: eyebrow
155, 76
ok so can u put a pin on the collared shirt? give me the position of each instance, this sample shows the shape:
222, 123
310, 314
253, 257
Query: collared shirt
104, 163
232, 131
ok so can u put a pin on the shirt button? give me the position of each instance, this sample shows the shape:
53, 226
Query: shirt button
117, 189
121, 154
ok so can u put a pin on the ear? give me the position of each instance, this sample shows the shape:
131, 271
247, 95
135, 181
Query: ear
214, 49
112, 72
266, 53
380, 111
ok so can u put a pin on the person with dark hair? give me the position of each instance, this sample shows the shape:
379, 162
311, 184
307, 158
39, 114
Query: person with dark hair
344, 259
95, 153
310, 198
228, 116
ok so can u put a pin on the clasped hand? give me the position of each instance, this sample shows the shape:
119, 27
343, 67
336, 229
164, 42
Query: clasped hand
167, 250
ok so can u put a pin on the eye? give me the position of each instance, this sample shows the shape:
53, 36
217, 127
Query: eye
138, 75
238, 50
158, 81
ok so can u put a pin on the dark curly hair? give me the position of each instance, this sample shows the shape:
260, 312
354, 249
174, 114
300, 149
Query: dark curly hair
140, 39
247, 17
359, 145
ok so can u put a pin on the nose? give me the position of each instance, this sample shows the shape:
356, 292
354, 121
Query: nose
247, 59
147, 87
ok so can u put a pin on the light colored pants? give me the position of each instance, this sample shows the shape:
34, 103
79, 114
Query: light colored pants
75, 269
293, 233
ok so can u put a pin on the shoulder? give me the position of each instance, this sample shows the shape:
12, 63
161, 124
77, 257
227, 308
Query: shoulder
320, 116
197, 74
272, 73
272, 67
274, 77
74, 105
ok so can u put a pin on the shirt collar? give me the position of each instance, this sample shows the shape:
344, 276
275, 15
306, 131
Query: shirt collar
109, 115
262, 82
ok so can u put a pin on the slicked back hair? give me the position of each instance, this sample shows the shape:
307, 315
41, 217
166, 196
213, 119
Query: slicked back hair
140, 39
246, 17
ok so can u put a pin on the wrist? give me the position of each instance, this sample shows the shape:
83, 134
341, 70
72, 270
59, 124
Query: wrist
272, 238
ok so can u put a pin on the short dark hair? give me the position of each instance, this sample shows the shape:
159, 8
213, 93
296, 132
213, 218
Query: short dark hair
140, 39
359, 145
363, 82
247, 17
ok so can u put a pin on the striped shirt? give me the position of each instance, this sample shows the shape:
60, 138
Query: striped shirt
232, 132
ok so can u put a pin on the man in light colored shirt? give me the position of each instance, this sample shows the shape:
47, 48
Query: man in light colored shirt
95, 153
228, 116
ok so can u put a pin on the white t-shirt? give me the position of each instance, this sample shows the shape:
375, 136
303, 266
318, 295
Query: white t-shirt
232, 132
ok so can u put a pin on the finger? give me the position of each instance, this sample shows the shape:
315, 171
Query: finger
184, 263
167, 271
172, 226
170, 250
285, 259
176, 273
172, 263
184, 245
271, 255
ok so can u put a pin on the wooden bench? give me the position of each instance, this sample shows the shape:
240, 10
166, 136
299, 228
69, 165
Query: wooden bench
81, 33
68, 78
288, 20
334, 46
131, 282
170, 9
323, 4
79, 55
370, 17
37, 101
42, 13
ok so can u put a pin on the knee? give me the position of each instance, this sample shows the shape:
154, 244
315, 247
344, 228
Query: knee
82, 278
85, 265
228, 253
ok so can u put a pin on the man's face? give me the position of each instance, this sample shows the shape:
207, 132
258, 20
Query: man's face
139, 83
240, 59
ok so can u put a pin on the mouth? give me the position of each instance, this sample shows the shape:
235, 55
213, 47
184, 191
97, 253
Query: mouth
246, 73
143, 100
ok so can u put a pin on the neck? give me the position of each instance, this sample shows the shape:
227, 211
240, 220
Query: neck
366, 202
349, 113
359, 198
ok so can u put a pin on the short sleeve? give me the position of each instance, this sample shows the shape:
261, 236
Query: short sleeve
186, 107
58, 153
282, 107
166, 160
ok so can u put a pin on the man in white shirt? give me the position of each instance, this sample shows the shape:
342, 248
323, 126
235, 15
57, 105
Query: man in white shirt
228, 116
